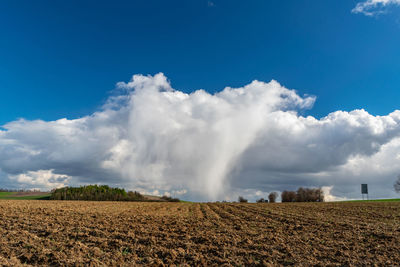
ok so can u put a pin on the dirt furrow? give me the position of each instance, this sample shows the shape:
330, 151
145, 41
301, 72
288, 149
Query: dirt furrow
72, 233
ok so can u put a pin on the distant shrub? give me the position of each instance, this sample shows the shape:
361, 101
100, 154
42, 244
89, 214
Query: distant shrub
261, 200
288, 196
242, 199
170, 199
272, 197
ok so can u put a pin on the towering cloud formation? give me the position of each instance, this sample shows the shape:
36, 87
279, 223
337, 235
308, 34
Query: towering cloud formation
209, 146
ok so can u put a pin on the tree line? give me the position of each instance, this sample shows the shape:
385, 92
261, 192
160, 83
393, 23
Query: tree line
95, 193
18, 190
301, 195
102, 193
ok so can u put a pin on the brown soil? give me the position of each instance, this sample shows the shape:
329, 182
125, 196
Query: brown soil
159, 233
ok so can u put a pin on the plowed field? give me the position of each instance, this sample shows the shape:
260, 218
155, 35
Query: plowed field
126, 234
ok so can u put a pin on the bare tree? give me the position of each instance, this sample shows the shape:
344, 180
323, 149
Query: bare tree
288, 196
397, 184
272, 197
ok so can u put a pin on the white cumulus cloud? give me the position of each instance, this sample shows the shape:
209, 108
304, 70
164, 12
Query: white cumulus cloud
372, 7
41, 179
202, 146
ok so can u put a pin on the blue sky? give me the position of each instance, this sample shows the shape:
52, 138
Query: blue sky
125, 76
62, 58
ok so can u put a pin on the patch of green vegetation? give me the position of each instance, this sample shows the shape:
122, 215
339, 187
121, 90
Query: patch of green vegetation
5, 194
38, 197
12, 195
374, 200
185, 201
126, 251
